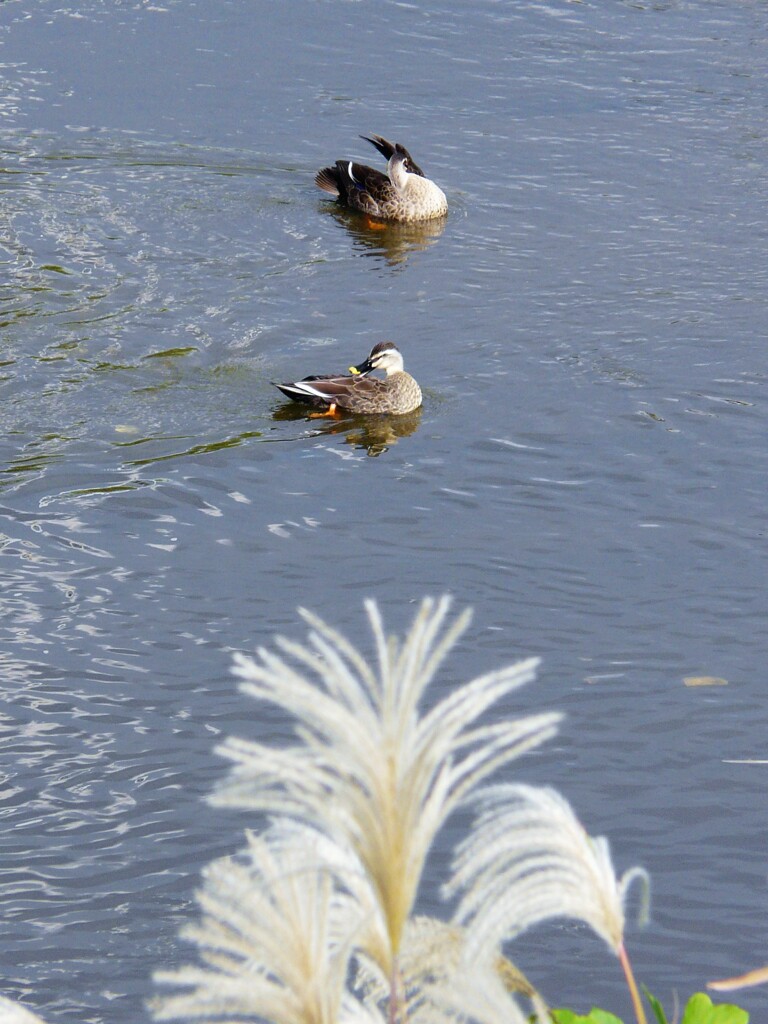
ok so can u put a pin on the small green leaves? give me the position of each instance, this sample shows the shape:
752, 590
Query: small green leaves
594, 1016
701, 1010
658, 1009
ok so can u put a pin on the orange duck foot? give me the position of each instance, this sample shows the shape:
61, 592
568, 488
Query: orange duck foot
329, 412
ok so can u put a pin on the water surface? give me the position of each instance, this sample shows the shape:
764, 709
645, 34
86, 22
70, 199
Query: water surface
588, 470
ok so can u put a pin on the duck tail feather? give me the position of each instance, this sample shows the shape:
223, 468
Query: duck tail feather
383, 145
328, 180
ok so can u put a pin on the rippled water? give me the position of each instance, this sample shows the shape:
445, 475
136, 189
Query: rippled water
588, 470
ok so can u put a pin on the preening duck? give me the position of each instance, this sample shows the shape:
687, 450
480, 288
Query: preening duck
403, 194
397, 394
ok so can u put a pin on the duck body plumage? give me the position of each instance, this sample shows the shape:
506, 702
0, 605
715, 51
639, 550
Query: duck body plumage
398, 393
403, 194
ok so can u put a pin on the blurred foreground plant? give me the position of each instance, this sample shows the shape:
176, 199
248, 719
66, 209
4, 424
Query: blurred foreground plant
274, 940
314, 923
529, 859
377, 776
12, 1013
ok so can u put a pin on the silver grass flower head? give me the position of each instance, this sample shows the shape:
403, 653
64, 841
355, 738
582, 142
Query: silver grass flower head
529, 859
474, 994
438, 977
274, 942
12, 1013
438, 980
372, 769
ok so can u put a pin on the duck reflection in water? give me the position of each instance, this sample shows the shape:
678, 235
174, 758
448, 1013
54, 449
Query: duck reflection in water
391, 241
376, 434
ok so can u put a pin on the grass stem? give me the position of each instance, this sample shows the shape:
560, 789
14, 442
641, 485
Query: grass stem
632, 985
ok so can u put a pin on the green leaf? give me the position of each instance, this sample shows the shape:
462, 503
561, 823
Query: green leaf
658, 1009
701, 1010
594, 1016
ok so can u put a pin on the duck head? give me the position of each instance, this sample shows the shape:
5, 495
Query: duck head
385, 356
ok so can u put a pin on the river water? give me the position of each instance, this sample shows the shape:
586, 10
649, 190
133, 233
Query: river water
588, 470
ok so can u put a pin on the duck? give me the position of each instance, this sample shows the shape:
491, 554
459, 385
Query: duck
397, 394
404, 194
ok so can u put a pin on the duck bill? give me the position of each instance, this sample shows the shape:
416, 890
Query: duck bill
362, 368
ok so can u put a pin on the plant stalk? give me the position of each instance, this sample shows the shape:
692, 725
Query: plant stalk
632, 985
394, 1008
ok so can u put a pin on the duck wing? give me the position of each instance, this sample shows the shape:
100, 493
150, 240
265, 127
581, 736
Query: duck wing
348, 176
362, 187
325, 389
356, 394
388, 149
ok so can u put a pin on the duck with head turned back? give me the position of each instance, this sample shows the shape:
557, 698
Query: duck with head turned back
397, 394
404, 194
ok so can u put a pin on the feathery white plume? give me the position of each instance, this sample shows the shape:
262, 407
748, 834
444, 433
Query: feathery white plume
275, 939
529, 859
374, 772
12, 1013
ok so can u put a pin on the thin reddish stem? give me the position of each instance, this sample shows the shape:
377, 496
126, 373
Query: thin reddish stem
632, 985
